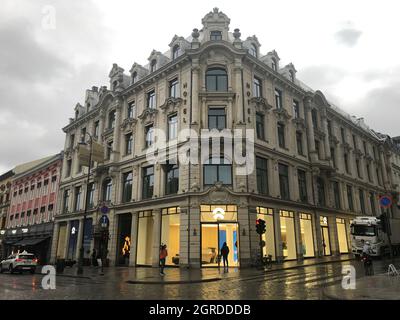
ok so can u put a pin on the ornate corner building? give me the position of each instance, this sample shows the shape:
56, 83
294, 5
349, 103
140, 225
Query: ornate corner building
316, 167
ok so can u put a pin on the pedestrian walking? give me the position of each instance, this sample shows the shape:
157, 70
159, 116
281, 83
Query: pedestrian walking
224, 254
94, 258
163, 256
366, 258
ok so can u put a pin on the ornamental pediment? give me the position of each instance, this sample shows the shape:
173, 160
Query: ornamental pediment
129, 123
148, 115
319, 133
333, 140
260, 104
299, 123
282, 115
171, 104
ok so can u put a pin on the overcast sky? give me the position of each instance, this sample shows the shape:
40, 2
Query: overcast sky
348, 50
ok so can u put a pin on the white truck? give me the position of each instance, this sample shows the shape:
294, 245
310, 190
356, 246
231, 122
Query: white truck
369, 229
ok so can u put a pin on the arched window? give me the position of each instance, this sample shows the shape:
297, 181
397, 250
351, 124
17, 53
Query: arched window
314, 118
134, 77
175, 52
76, 114
216, 79
107, 189
217, 170
273, 65
115, 84
253, 50
153, 65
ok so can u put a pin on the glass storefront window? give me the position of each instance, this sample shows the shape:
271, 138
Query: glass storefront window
307, 238
73, 237
342, 235
145, 238
288, 235
213, 213
267, 215
170, 233
87, 237
124, 239
61, 241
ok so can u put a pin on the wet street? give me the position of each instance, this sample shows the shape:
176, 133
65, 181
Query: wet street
299, 283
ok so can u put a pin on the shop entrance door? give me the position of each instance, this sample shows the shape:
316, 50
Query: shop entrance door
325, 240
213, 236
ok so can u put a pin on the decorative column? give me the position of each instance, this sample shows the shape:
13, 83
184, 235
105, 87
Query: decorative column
54, 242
238, 88
333, 235
278, 236
249, 238
195, 92
310, 128
79, 240
156, 237
318, 248
134, 230
116, 136
299, 242
184, 237
67, 233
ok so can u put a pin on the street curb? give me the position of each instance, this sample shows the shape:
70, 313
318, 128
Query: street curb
173, 281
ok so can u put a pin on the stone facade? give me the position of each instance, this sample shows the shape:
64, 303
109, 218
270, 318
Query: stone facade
340, 156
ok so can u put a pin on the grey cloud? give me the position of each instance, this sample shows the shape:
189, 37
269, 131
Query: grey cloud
321, 76
348, 36
44, 73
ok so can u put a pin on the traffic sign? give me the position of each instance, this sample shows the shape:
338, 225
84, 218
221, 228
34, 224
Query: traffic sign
104, 209
385, 201
104, 221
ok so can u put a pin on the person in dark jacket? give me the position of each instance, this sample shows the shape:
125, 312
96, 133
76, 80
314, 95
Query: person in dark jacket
224, 254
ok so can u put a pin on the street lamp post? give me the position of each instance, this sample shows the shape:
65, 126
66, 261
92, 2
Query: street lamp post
81, 250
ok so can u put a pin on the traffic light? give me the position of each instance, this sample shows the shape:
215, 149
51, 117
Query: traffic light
260, 226
382, 217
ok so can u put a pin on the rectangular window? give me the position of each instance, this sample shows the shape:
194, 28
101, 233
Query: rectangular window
342, 134
172, 127
111, 120
362, 203
83, 134
149, 135
281, 135
369, 172
257, 87
77, 205
321, 192
109, 150
128, 143
69, 168
358, 168
317, 149
346, 163
301, 175
260, 129
262, 175
296, 109
365, 148
66, 201
354, 142
350, 197
144, 251
333, 157
372, 202
216, 118
336, 194
329, 122
299, 142
171, 178
174, 88
148, 182
130, 114
170, 233
215, 35
127, 186
71, 140
284, 181
90, 196
314, 118
151, 99
278, 99
96, 129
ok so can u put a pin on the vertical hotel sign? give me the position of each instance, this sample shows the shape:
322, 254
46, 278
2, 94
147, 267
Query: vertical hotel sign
84, 154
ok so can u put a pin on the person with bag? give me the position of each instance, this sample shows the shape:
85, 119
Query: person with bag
163, 256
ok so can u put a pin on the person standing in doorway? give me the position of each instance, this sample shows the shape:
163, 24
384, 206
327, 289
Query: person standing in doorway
163, 256
224, 254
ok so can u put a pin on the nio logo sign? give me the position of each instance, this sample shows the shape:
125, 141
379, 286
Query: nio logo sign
218, 213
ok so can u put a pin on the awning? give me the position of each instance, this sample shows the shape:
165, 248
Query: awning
10, 242
29, 242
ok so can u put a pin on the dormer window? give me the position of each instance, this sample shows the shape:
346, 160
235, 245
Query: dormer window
253, 50
134, 77
153, 65
291, 75
215, 35
274, 65
115, 84
76, 114
175, 52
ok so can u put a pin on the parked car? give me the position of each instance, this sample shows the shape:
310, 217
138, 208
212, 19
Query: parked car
22, 261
